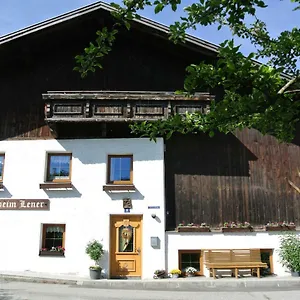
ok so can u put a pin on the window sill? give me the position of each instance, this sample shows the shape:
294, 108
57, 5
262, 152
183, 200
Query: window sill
56, 185
119, 187
51, 253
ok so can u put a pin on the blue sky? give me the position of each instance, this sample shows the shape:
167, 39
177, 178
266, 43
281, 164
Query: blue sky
17, 14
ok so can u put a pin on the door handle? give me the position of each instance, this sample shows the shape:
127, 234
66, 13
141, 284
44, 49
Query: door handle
138, 250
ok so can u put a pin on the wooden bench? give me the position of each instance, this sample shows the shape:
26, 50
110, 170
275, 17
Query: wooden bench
234, 260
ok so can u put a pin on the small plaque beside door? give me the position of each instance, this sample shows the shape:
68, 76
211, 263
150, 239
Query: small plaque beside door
127, 203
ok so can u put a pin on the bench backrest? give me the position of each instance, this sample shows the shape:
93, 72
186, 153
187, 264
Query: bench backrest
233, 256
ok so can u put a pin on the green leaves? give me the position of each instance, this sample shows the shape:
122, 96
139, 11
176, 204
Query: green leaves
251, 96
289, 252
95, 250
94, 53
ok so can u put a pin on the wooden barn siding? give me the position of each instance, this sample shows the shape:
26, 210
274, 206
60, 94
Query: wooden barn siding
241, 177
44, 61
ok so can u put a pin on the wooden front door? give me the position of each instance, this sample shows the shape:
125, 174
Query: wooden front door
125, 246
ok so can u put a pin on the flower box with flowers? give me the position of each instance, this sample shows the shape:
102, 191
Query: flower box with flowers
237, 227
54, 251
191, 227
280, 226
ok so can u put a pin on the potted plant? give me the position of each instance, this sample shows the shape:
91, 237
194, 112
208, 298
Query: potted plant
175, 273
190, 271
160, 274
289, 253
95, 251
280, 226
237, 227
191, 227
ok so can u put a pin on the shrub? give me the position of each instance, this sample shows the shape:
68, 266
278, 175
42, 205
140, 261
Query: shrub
289, 252
95, 251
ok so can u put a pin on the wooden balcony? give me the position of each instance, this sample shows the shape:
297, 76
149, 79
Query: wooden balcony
61, 107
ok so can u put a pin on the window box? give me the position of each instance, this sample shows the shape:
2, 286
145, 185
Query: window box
192, 229
56, 185
237, 229
52, 253
119, 187
281, 228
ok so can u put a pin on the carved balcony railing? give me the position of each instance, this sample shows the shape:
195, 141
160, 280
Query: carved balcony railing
120, 106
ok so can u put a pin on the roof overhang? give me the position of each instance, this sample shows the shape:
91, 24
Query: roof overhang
159, 28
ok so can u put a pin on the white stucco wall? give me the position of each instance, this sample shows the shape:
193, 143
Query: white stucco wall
86, 209
195, 241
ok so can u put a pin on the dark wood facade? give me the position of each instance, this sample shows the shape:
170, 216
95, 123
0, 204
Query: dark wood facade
237, 177
44, 61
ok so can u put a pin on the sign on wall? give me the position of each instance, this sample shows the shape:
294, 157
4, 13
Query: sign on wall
24, 204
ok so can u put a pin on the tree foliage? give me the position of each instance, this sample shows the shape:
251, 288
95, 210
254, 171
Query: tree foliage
260, 96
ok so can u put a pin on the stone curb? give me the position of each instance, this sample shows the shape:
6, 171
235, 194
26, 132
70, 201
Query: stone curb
168, 285
37, 279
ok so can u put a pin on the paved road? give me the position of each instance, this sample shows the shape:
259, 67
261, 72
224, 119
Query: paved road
38, 291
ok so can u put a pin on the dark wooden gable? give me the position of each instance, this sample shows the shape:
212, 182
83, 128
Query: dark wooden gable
44, 61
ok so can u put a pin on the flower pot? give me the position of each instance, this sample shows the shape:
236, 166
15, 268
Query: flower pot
95, 273
161, 274
52, 253
175, 275
192, 229
237, 229
295, 274
281, 228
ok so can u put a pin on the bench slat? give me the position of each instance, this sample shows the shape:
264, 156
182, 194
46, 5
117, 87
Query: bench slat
234, 259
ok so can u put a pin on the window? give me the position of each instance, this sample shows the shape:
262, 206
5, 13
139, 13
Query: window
1, 166
120, 169
59, 167
267, 257
53, 240
126, 238
191, 258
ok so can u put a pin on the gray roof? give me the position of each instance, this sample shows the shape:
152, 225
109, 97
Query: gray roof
160, 28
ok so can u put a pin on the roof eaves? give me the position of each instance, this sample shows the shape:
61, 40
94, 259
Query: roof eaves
96, 6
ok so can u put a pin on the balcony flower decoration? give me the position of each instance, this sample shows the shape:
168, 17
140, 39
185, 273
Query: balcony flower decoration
192, 227
236, 226
54, 249
280, 226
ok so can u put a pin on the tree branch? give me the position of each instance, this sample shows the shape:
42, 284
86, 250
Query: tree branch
294, 186
292, 91
288, 84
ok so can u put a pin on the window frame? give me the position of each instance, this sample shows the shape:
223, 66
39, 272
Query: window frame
198, 273
43, 242
271, 261
119, 182
2, 155
49, 155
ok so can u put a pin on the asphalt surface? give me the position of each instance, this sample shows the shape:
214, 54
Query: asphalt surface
39, 291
